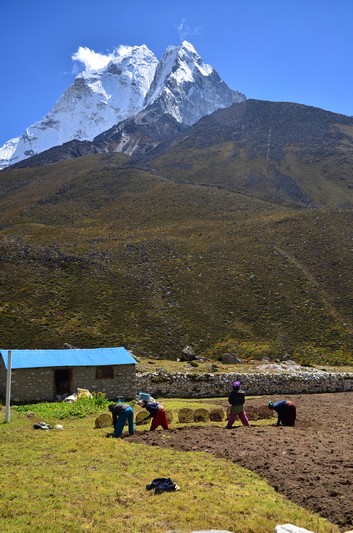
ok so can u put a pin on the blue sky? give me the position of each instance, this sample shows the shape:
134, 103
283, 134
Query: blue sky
297, 51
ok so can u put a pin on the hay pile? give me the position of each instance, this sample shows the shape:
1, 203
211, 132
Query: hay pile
104, 421
217, 414
142, 417
169, 416
186, 415
201, 415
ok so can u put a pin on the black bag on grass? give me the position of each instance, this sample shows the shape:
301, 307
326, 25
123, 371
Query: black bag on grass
162, 484
41, 425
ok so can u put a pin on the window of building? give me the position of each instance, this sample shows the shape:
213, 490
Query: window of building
104, 372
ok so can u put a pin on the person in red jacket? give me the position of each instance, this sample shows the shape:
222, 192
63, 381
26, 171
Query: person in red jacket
157, 413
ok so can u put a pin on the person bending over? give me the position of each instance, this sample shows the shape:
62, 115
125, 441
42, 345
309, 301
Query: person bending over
286, 411
157, 413
122, 413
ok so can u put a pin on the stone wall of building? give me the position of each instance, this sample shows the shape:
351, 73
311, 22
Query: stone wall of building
32, 385
37, 384
123, 384
190, 385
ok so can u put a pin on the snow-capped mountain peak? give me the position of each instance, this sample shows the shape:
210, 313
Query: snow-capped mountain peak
186, 87
178, 63
96, 101
119, 87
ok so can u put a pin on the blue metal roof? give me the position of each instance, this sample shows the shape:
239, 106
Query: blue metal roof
68, 357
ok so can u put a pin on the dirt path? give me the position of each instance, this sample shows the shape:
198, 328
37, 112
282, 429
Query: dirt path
311, 464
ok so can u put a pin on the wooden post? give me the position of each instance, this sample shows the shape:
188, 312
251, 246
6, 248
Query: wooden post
8, 387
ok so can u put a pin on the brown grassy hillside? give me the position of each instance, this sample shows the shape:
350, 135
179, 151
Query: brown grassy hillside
96, 253
288, 154
234, 236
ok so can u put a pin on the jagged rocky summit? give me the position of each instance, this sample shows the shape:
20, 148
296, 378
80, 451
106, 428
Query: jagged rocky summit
180, 85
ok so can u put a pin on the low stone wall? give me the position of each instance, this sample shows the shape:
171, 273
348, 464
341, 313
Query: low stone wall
189, 385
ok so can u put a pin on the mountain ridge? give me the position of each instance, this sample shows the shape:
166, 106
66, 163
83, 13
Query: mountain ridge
181, 84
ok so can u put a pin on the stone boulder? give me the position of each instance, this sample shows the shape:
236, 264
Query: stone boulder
231, 359
188, 354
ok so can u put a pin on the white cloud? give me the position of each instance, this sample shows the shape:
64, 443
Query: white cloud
91, 60
123, 50
184, 30
94, 60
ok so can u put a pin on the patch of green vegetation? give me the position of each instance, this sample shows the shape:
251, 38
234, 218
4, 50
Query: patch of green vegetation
246, 350
82, 407
311, 355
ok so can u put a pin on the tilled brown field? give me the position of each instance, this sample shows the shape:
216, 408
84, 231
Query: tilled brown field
311, 464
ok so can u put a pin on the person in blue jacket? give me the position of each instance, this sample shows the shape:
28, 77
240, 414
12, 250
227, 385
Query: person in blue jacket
121, 413
286, 411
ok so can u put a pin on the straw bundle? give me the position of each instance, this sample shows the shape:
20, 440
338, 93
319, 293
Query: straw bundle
104, 421
142, 417
217, 414
169, 416
186, 415
201, 415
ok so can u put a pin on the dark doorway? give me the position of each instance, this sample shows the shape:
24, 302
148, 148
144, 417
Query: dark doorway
62, 383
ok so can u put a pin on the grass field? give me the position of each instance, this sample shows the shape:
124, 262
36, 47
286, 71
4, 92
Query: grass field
78, 480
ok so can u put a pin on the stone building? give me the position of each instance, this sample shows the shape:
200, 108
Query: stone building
47, 375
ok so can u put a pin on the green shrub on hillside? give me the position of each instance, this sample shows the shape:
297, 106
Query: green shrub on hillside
311, 355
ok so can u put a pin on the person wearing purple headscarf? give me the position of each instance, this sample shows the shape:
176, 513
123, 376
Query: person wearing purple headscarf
237, 400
